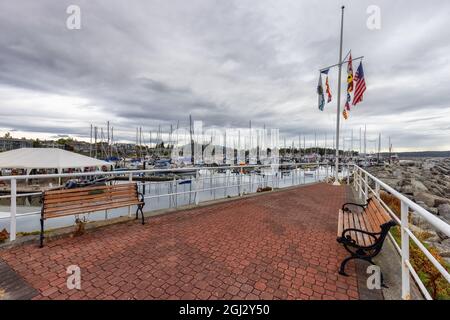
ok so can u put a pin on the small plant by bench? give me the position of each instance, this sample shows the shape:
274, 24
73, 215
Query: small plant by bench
363, 233
60, 203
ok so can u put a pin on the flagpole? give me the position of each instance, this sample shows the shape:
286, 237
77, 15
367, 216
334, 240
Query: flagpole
336, 181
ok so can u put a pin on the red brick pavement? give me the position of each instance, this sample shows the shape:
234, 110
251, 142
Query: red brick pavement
280, 245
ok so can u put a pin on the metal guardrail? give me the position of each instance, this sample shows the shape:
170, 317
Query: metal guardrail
273, 171
361, 183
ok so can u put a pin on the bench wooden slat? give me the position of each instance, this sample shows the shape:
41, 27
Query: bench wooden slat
87, 196
382, 213
87, 189
56, 194
373, 220
378, 214
347, 222
80, 201
351, 224
363, 226
340, 223
359, 238
83, 205
90, 209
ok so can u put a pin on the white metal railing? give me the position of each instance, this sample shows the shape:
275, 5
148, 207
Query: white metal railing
363, 187
272, 177
361, 183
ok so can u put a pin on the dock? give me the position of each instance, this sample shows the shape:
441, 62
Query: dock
278, 245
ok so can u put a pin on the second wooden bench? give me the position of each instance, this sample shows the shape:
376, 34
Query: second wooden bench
362, 232
60, 203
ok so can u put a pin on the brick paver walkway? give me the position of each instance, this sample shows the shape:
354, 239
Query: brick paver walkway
279, 245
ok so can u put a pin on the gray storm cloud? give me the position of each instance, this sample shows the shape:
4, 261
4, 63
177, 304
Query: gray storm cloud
151, 63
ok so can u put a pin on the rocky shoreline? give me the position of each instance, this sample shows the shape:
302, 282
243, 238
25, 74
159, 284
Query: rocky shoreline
426, 181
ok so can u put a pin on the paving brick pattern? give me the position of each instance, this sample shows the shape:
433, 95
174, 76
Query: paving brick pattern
280, 245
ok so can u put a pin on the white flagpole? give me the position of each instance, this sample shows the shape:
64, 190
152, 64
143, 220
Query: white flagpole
338, 118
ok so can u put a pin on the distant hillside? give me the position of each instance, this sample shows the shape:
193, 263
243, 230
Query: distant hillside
424, 154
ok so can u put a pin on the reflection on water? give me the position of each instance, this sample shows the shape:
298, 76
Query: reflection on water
160, 195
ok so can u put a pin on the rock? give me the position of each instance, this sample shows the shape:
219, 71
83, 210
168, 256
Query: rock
446, 242
426, 198
418, 186
420, 223
407, 189
433, 210
444, 210
394, 183
440, 200
443, 248
407, 163
442, 236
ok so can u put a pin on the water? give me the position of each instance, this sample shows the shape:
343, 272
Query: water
221, 185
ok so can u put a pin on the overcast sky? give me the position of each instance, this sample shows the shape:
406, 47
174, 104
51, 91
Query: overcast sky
149, 63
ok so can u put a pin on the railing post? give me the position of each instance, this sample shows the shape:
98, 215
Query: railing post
366, 187
377, 189
240, 182
360, 184
13, 210
227, 179
197, 194
348, 174
405, 251
130, 179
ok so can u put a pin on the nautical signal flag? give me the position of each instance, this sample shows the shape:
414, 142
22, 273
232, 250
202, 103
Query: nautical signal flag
349, 87
347, 103
345, 114
320, 93
360, 86
350, 74
327, 88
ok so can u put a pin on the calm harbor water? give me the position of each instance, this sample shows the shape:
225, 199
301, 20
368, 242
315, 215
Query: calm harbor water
162, 195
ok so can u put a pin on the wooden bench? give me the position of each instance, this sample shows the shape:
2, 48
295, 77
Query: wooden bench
363, 232
60, 203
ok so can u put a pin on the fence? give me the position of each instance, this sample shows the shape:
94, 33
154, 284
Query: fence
201, 180
271, 177
361, 182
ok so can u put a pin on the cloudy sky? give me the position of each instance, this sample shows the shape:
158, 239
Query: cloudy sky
150, 63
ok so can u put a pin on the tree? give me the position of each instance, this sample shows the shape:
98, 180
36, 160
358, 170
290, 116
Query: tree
7, 135
37, 143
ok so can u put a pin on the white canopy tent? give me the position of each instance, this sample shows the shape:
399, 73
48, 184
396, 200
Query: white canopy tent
47, 158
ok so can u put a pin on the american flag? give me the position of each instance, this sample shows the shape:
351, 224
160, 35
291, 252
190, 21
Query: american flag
360, 87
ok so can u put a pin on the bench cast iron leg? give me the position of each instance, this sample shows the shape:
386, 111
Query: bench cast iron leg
41, 238
344, 263
139, 209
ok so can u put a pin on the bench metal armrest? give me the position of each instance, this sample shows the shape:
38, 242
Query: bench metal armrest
355, 204
348, 240
141, 198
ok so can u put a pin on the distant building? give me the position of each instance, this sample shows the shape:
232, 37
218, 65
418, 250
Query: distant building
7, 144
50, 144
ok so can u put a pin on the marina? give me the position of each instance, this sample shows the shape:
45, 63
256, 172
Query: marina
225, 150
206, 185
